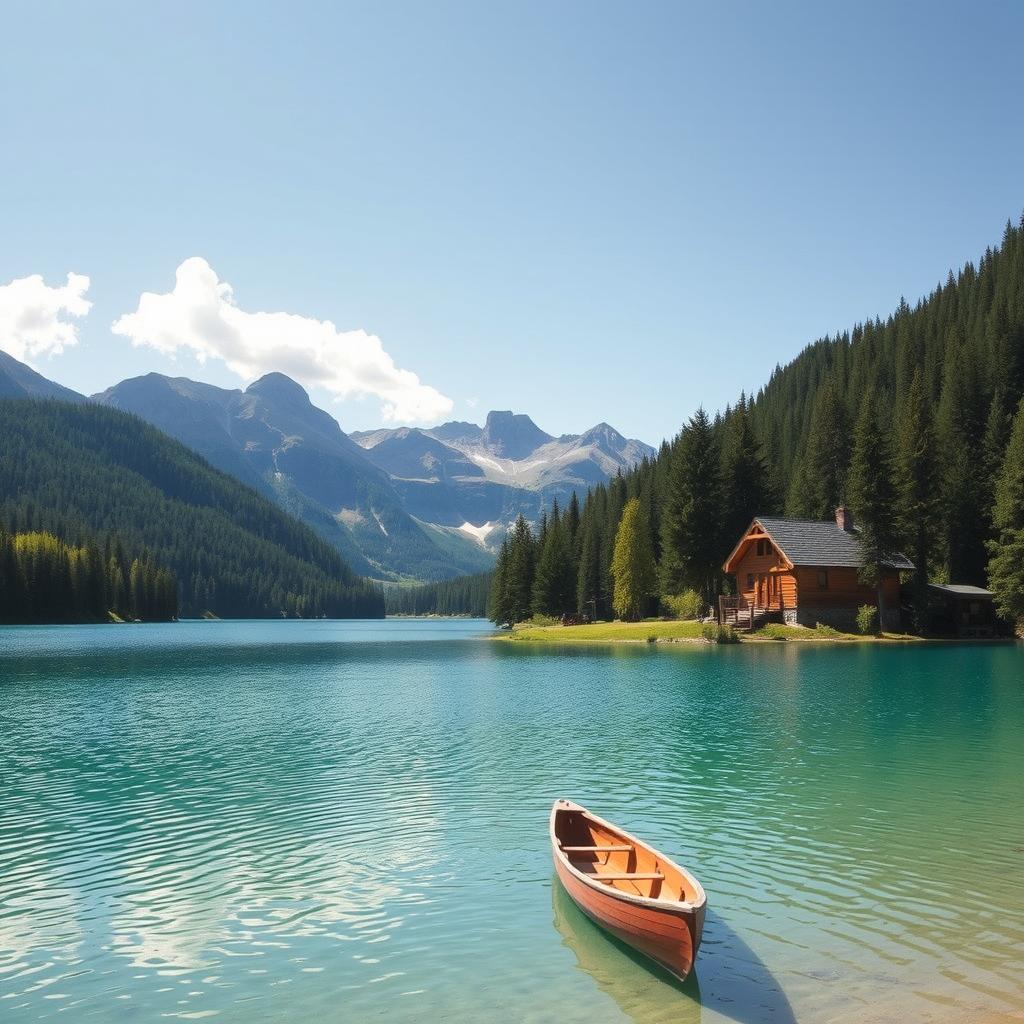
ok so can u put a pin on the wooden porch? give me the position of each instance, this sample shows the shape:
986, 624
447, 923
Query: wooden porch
736, 611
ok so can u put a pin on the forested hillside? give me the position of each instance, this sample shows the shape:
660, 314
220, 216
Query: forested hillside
465, 595
80, 470
45, 580
907, 420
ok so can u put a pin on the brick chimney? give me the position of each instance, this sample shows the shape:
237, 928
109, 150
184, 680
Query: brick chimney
844, 519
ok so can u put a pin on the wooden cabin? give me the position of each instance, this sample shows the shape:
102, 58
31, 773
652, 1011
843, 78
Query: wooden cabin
803, 572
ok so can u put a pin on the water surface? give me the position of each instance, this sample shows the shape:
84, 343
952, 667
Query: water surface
293, 821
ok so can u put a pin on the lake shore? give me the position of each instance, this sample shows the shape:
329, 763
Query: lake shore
658, 631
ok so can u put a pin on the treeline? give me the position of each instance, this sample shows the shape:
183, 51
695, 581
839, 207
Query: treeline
914, 422
465, 595
85, 470
44, 580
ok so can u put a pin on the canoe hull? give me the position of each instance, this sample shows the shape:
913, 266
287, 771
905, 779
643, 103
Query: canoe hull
666, 931
669, 939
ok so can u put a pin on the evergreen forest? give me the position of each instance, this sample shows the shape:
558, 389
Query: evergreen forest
915, 422
79, 471
45, 580
464, 595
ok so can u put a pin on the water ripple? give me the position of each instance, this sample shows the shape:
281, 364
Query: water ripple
348, 822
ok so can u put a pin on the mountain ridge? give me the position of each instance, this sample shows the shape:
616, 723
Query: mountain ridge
405, 503
73, 467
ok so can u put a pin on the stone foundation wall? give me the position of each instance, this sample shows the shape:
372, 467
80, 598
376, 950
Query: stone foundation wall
843, 619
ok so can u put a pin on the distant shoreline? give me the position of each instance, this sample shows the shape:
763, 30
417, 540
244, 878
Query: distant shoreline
689, 632
432, 615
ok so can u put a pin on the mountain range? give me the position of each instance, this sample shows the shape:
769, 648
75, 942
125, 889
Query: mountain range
478, 479
95, 476
406, 503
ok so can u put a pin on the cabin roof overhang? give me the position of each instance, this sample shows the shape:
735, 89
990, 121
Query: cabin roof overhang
809, 543
962, 590
755, 531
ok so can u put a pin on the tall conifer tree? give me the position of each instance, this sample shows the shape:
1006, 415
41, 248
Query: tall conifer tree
872, 496
918, 486
691, 537
744, 474
633, 566
1006, 562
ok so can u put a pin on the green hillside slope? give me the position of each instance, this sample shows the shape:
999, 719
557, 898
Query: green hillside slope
69, 469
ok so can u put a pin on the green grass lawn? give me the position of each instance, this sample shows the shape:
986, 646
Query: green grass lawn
606, 632
676, 631
776, 631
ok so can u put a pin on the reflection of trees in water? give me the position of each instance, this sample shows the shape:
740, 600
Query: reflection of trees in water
729, 979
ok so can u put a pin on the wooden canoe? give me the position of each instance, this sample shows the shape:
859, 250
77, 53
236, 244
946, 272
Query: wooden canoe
628, 888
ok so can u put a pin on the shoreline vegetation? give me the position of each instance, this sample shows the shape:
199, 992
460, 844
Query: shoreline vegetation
914, 424
660, 631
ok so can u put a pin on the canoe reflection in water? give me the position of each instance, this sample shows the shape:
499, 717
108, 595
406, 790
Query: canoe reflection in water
729, 978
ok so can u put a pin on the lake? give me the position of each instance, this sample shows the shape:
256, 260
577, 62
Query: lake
347, 821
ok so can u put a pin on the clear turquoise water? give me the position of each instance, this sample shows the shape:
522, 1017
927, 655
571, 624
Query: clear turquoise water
335, 822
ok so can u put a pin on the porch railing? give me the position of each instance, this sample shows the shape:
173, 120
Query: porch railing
735, 610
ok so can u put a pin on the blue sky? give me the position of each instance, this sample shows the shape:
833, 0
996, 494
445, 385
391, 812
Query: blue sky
583, 211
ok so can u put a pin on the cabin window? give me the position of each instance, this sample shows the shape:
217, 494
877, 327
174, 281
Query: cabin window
750, 581
762, 547
823, 579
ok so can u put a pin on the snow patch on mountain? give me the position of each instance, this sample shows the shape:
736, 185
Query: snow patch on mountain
478, 533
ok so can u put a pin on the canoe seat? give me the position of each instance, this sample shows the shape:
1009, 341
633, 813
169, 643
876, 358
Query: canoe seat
596, 849
622, 876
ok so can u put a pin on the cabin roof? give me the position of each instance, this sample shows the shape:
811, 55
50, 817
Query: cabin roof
811, 542
961, 590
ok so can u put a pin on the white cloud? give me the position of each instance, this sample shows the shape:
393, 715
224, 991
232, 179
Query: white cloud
32, 315
200, 315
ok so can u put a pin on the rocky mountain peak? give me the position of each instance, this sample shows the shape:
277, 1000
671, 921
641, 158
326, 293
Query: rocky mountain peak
279, 387
512, 435
604, 436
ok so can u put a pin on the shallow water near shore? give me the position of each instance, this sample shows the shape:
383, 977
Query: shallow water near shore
292, 821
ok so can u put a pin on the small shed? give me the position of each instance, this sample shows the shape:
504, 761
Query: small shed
962, 610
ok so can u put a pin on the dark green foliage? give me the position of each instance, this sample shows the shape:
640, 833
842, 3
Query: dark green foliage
81, 470
1006, 562
512, 580
691, 526
1008, 512
944, 376
918, 485
873, 495
961, 422
465, 595
819, 479
589, 574
745, 490
43, 579
554, 579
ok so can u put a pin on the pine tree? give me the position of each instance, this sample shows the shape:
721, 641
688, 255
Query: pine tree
822, 476
520, 569
872, 495
572, 523
555, 575
633, 564
499, 604
691, 539
960, 424
919, 486
744, 474
1006, 561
